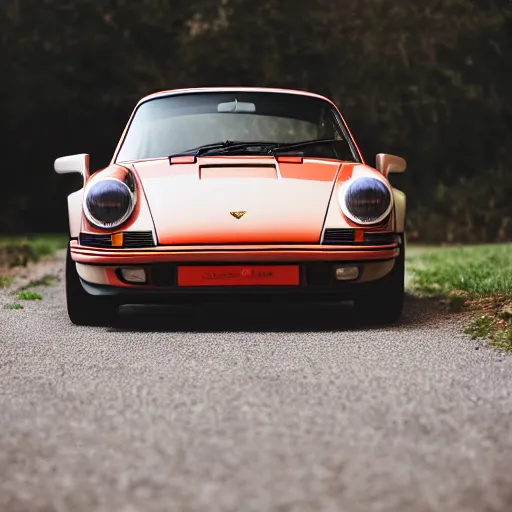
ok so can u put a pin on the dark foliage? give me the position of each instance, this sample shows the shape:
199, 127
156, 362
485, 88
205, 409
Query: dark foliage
429, 81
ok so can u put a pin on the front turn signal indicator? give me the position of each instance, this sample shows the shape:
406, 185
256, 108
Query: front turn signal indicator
117, 240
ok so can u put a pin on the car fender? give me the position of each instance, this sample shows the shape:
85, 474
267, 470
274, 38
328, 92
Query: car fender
75, 212
140, 220
400, 210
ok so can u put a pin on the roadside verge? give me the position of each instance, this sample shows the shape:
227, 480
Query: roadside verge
475, 279
27, 262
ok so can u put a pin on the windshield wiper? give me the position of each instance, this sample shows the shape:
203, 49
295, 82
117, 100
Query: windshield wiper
205, 147
273, 147
223, 147
235, 146
294, 145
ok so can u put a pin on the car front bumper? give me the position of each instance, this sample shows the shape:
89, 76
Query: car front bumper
100, 270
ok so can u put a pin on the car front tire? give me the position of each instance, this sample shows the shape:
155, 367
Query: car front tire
85, 309
384, 303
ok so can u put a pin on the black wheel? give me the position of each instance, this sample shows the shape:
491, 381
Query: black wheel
384, 304
85, 309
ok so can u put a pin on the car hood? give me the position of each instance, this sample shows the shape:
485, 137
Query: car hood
228, 200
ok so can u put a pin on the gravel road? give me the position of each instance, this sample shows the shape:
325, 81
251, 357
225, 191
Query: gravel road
249, 409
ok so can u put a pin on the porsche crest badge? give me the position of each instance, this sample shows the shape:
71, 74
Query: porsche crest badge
238, 215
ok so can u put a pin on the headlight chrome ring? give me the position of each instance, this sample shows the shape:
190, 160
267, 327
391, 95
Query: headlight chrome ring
116, 195
365, 200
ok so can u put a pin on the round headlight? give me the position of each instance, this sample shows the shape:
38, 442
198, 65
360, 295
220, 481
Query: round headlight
108, 203
366, 200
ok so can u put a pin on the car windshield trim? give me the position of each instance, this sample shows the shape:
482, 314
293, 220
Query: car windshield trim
300, 108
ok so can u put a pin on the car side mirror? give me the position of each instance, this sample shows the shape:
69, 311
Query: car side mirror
387, 164
73, 163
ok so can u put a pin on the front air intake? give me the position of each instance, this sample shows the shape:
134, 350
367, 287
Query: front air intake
136, 239
379, 238
94, 240
334, 236
131, 240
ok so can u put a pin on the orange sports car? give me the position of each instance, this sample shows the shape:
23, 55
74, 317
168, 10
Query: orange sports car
235, 194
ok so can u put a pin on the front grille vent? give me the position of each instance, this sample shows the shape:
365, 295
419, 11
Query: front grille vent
379, 238
136, 239
92, 240
131, 240
334, 236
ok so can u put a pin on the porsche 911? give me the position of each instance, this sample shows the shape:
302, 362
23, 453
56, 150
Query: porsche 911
235, 194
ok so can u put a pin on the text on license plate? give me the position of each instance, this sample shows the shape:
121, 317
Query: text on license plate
239, 275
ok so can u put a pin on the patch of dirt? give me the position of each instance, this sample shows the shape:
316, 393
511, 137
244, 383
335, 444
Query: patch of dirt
50, 266
491, 317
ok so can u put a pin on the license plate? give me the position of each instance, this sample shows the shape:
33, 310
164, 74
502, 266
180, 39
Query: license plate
239, 275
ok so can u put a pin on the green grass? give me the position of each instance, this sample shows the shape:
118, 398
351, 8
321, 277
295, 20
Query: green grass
476, 278
495, 327
44, 281
20, 251
480, 271
24, 249
5, 281
28, 295
14, 306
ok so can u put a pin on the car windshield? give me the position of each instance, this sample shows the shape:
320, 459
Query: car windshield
175, 124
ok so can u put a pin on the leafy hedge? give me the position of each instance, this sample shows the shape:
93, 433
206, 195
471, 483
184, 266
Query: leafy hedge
428, 81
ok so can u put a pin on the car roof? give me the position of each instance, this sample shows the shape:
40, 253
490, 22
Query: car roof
173, 92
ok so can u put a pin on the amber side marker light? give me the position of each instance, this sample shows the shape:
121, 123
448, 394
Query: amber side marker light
290, 159
358, 235
117, 240
186, 159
